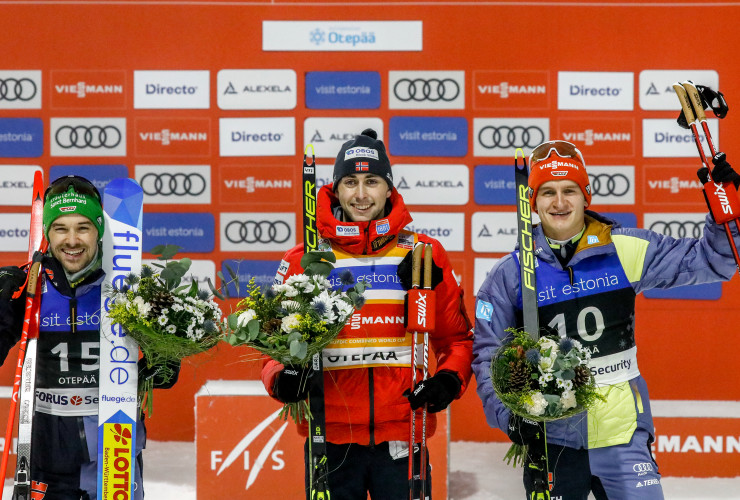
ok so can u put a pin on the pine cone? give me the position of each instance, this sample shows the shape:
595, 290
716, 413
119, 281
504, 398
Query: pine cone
162, 300
271, 325
519, 374
583, 376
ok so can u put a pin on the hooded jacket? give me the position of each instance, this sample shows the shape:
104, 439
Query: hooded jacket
367, 368
597, 290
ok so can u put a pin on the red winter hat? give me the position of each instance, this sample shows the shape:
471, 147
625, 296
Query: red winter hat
557, 161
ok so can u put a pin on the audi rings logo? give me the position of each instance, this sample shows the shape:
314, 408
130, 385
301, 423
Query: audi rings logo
678, 229
17, 89
609, 184
264, 231
173, 184
431, 89
82, 136
643, 467
519, 136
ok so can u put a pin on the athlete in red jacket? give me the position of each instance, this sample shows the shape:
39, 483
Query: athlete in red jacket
361, 218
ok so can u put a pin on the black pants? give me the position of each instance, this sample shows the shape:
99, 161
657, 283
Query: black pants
567, 465
355, 470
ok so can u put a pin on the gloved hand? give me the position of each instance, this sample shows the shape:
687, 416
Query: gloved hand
522, 431
292, 383
437, 392
404, 272
723, 171
162, 377
11, 279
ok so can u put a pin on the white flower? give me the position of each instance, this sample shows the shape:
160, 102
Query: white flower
142, 306
568, 399
321, 282
246, 317
547, 362
545, 378
176, 307
162, 320
291, 305
536, 404
170, 329
328, 315
565, 384
290, 322
345, 309
297, 280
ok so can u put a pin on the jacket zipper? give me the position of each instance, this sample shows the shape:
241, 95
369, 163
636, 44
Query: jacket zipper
371, 388
73, 314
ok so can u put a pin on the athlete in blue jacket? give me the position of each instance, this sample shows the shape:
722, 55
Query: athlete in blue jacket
65, 426
589, 270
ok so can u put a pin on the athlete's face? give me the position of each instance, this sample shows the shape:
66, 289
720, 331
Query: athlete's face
561, 206
363, 196
73, 240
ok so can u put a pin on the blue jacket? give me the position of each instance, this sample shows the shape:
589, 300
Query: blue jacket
597, 288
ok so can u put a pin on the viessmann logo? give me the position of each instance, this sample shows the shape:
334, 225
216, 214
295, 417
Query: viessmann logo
510, 89
270, 455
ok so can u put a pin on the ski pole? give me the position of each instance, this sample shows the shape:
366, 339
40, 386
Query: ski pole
427, 285
415, 282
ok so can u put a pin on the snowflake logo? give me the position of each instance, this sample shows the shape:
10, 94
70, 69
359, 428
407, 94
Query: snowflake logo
317, 36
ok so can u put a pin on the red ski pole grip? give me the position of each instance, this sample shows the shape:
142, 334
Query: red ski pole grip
420, 310
723, 201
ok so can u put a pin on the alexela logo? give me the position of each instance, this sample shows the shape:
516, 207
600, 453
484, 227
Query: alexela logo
662, 138
329, 134
342, 35
257, 89
432, 184
493, 231
257, 136
656, 86
171, 89
16, 184
609, 91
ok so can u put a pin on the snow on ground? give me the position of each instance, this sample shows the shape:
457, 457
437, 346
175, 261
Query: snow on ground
477, 473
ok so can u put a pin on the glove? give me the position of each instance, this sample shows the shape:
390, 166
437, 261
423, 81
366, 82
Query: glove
437, 392
292, 383
723, 171
404, 272
162, 377
522, 431
11, 279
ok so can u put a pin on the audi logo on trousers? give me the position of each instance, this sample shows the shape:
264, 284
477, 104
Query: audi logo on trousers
491, 137
94, 136
257, 231
17, 89
609, 184
678, 229
432, 89
177, 184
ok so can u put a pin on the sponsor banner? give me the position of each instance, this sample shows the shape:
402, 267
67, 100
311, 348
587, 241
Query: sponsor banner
172, 136
656, 86
257, 89
625, 219
342, 90
494, 185
88, 89
432, 184
328, 134
21, 137
445, 227
238, 272
172, 90
672, 185
483, 266
612, 185
609, 91
663, 138
324, 175
88, 136
14, 232
502, 136
200, 271
257, 136
426, 89
194, 232
16, 184
259, 185
175, 184
681, 225
599, 136
511, 90
257, 232
20, 89
493, 232
428, 136
332, 36
98, 175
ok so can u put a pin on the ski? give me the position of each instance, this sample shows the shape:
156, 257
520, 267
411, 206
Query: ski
537, 451
318, 471
119, 354
24, 381
721, 198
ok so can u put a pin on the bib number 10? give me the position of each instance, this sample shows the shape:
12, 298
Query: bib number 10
558, 323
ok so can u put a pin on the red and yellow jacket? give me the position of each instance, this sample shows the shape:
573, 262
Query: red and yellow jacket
367, 368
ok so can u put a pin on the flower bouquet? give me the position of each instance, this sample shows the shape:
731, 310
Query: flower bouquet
168, 320
542, 380
293, 321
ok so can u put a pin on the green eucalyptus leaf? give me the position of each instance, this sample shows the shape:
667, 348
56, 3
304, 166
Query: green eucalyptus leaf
232, 321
